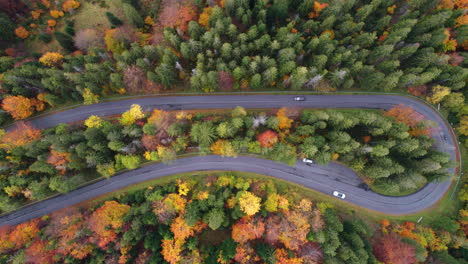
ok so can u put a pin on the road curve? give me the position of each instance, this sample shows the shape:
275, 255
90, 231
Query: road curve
321, 178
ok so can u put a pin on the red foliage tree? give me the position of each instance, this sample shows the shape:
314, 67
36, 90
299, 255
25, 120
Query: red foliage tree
177, 16
267, 139
20, 135
391, 250
248, 228
420, 90
105, 220
225, 81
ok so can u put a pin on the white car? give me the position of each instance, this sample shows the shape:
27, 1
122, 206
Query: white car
339, 195
299, 98
307, 161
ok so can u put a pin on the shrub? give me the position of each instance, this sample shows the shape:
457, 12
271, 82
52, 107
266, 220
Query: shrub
51, 59
46, 38
88, 38
65, 41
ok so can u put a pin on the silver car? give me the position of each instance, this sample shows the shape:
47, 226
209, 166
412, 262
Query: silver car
299, 98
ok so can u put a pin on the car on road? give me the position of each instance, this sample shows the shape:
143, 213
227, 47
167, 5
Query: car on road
299, 98
339, 195
307, 161
445, 138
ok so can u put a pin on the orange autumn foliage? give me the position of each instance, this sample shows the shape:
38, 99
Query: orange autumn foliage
248, 228
23, 233
245, 254
171, 250
405, 114
180, 229
35, 14
384, 224
105, 220
56, 13
19, 107
282, 257
51, 23
70, 5
59, 160
21, 32
267, 139
284, 121
20, 135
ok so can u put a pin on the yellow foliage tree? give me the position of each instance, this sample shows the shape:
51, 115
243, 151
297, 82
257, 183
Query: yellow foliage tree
93, 121
132, 115
249, 203
183, 187
205, 16
463, 126
51, 59
271, 203
89, 97
438, 93
223, 148
113, 44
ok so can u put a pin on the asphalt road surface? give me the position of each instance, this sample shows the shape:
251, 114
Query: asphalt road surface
325, 179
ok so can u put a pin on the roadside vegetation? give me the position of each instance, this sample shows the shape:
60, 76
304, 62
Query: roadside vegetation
391, 150
224, 218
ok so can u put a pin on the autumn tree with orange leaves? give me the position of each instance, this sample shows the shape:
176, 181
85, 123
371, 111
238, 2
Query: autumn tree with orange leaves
21, 134
411, 118
248, 228
20, 107
267, 139
59, 160
284, 121
23, 233
105, 220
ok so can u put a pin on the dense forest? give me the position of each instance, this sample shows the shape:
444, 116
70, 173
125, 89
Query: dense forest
224, 218
392, 150
415, 46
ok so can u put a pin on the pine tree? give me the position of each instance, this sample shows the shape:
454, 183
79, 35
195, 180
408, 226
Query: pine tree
113, 20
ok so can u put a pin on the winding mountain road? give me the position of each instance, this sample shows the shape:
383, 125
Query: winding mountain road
325, 179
